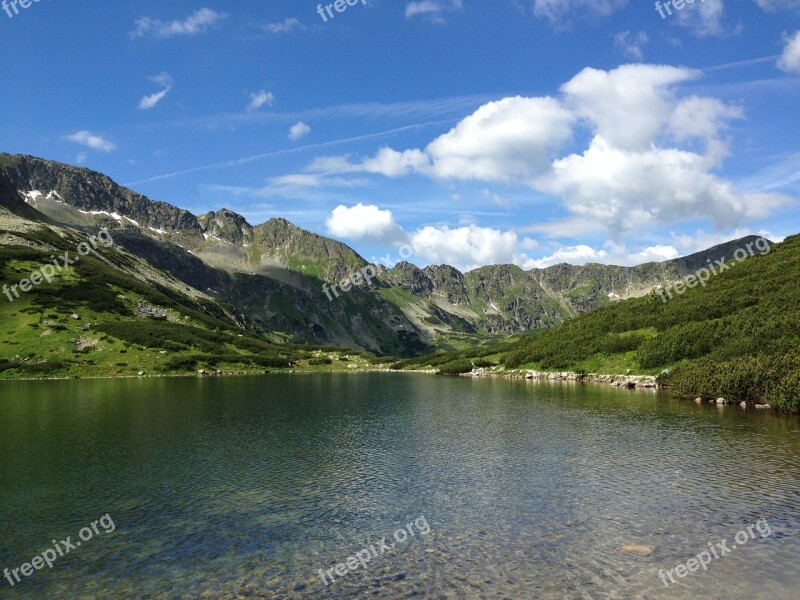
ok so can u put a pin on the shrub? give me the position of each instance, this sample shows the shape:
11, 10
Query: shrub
456, 367
320, 361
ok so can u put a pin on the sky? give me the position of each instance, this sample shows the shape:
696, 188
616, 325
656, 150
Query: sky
465, 132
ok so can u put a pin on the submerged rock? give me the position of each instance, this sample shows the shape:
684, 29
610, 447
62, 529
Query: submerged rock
637, 549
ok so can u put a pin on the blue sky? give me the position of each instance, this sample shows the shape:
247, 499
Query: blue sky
475, 132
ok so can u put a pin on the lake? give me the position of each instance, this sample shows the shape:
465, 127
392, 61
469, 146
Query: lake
219, 487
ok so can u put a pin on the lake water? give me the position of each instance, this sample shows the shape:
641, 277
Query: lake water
249, 486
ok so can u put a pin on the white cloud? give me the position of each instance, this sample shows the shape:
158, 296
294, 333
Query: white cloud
88, 139
364, 221
703, 19
298, 131
628, 190
432, 9
611, 254
391, 163
465, 248
198, 22
775, 5
631, 44
259, 99
503, 141
628, 105
163, 79
284, 26
790, 59
561, 10
80, 158
703, 240
643, 163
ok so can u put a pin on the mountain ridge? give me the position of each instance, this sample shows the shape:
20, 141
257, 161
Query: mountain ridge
274, 271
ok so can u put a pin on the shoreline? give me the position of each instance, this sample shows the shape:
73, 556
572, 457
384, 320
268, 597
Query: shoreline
627, 381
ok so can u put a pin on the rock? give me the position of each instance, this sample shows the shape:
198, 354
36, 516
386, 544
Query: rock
140, 373
763, 406
637, 549
721, 401
699, 400
630, 385
743, 404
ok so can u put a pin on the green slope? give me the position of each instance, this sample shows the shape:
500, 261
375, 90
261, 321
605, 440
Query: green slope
738, 337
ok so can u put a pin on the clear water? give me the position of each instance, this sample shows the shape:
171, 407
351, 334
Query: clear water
248, 486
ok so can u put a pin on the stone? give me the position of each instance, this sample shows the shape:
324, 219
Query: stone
637, 549
721, 401
699, 400
743, 404
763, 406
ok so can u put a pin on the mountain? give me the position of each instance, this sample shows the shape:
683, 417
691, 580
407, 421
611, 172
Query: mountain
733, 338
275, 273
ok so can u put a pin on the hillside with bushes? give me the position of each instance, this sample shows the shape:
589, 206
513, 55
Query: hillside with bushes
736, 338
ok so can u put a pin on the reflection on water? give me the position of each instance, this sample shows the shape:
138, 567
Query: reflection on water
249, 486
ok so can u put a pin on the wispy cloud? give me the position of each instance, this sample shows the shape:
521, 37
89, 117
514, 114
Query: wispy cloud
256, 157
165, 81
259, 99
198, 22
88, 139
631, 44
432, 9
284, 26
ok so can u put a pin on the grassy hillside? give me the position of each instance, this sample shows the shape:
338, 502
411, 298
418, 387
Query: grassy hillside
738, 337
110, 314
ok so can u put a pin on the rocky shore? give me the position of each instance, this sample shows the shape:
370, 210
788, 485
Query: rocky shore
626, 381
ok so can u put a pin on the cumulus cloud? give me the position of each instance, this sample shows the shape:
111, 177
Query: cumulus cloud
631, 44
649, 159
259, 99
198, 22
629, 105
285, 26
151, 100
391, 163
298, 131
628, 190
610, 254
503, 141
506, 141
790, 59
88, 139
364, 221
465, 248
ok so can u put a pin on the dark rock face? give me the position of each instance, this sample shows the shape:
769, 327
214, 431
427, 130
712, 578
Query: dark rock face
227, 226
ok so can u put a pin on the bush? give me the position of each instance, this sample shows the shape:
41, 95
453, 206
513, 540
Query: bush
456, 367
320, 361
